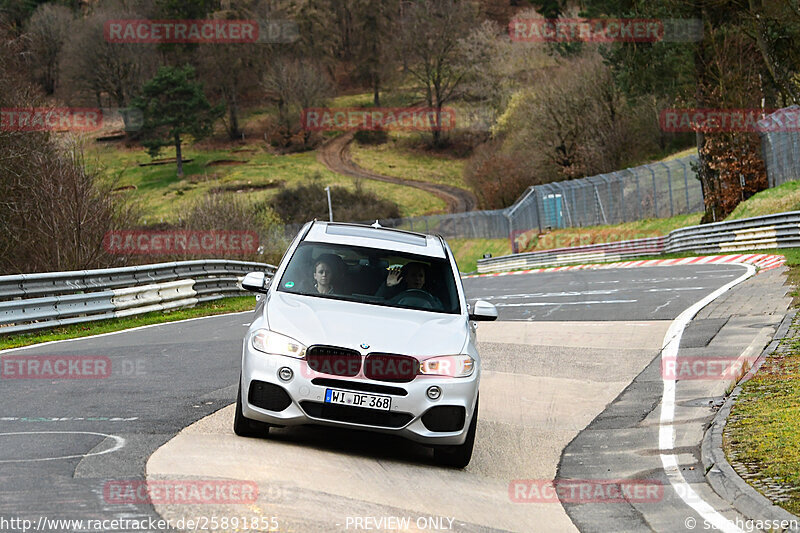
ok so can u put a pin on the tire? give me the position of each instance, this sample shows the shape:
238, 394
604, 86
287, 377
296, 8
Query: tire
460, 455
246, 427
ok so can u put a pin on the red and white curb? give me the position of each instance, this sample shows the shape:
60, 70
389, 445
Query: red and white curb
761, 261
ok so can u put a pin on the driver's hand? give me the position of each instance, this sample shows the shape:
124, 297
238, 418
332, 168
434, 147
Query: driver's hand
394, 277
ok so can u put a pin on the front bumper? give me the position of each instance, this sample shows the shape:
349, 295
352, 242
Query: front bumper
306, 399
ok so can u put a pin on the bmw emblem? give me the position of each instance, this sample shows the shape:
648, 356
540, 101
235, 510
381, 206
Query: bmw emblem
364, 346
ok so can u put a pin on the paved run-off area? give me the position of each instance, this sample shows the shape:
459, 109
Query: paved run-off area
535, 398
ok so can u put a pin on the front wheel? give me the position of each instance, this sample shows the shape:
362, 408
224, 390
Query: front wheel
246, 427
460, 455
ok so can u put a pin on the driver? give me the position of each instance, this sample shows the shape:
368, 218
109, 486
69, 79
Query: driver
411, 276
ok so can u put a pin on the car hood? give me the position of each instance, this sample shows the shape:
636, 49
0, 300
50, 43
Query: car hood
311, 320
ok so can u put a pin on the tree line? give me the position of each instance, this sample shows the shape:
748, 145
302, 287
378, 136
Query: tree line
551, 111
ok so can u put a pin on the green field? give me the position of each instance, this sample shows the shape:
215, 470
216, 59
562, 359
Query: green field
396, 158
163, 194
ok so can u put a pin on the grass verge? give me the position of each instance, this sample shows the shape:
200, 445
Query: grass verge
531, 241
216, 307
762, 434
779, 199
468, 251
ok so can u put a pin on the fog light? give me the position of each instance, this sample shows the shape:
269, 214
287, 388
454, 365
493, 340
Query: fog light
285, 373
434, 392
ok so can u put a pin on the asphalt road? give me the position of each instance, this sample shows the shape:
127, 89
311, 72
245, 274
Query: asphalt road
652, 293
61, 441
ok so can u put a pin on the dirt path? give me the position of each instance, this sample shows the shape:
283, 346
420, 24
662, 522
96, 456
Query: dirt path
335, 154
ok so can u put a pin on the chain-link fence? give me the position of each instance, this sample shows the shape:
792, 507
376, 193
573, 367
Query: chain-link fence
658, 190
780, 143
651, 191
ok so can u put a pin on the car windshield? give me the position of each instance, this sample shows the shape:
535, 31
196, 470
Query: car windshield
371, 276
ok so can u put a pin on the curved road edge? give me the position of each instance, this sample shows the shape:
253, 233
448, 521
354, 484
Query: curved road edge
612, 442
720, 474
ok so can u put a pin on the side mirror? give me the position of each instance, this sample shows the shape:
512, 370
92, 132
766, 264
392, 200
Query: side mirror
483, 311
256, 282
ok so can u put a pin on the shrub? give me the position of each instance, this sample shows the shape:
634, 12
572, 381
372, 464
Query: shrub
371, 137
308, 201
54, 212
733, 159
232, 212
497, 178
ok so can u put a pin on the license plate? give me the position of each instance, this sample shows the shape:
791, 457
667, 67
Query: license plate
358, 399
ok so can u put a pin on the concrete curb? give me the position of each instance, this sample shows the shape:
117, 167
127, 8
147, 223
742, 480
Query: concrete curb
721, 475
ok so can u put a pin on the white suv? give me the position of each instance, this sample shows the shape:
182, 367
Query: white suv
364, 327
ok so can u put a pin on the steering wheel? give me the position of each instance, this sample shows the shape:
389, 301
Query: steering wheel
416, 298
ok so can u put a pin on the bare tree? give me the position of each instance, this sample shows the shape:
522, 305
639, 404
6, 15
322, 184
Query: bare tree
295, 85
577, 119
229, 71
54, 213
375, 55
103, 72
47, 31
432, 32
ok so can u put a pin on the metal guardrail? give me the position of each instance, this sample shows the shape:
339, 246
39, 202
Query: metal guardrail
30, 302
781, 230
612, 251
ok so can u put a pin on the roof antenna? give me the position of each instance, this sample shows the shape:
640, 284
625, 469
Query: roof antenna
376, 225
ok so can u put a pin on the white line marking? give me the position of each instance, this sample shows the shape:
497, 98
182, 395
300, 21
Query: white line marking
660, 307
588, 302
666, 430
67, 419
670, 289
119, 443
553, 294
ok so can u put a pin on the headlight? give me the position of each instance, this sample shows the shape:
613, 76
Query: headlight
268, 341
455, 366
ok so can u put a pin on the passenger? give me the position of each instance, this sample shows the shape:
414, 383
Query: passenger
324, 275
